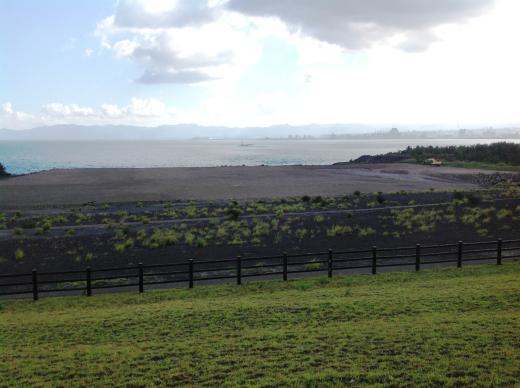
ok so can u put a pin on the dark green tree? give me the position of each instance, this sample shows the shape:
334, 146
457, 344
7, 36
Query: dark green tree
3, 173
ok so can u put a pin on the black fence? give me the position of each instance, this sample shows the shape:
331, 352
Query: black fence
239, 268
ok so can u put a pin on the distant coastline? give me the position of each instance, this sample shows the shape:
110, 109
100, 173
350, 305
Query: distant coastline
275, 132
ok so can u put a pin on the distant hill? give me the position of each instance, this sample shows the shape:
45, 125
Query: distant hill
180, 131
190, 131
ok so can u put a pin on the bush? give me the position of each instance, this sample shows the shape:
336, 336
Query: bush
233, 212
380, 199
200, 242
3, 172
472, 199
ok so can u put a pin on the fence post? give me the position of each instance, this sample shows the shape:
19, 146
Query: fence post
35, 284
89, 282
285, 266
499, 251
141, 278
374, 260
239, 270
190, 261
329, 264
418, 257
459, 254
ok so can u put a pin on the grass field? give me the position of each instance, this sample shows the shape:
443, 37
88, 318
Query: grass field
485, 166
443, 327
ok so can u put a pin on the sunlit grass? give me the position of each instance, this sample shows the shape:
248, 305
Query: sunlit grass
444, 327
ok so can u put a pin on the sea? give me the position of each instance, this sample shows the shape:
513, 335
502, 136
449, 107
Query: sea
32, 156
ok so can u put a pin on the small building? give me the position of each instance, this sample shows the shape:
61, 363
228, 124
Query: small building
433, 162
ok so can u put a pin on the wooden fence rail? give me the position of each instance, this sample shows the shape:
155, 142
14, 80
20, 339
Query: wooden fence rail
192, 270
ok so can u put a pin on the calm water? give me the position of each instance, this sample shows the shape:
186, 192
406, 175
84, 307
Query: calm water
23, 157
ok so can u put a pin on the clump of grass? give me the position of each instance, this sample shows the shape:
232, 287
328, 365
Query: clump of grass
300, 233
121, 246
233, 212
236, 240
260, 228
339, 230
19, 254
483, 232
504, 213
159, 238
319, 218
200, 242
365, 232
313, 265
189, 238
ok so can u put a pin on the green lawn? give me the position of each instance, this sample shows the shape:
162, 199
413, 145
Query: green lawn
444, 327
485, 166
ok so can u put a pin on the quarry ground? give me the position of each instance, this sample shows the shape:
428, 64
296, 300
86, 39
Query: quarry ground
77, 186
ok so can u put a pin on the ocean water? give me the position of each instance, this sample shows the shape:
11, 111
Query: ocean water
24, 157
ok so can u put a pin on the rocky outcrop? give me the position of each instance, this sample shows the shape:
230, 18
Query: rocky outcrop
387, 158
495, 178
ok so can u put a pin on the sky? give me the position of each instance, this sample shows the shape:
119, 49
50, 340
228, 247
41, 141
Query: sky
259, 62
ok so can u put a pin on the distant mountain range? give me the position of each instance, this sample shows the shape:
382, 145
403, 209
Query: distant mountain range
190, 131
166, 132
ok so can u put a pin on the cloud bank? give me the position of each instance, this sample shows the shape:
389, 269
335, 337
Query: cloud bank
193, 41
355, 24
145, 112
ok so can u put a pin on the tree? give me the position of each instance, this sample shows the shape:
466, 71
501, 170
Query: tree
2, 171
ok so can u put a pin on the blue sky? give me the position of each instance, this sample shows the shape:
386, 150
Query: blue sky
258, 62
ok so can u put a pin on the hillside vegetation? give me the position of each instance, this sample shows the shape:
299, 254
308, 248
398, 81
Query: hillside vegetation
502, 156
444, 327
507, 153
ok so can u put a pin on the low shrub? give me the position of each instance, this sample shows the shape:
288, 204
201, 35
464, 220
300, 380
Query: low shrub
19, 254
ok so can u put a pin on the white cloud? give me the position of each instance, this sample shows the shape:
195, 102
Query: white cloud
89, 52
147, 108
112, 111
66, 110
182, 41
7, 108
11, 116
140, 111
